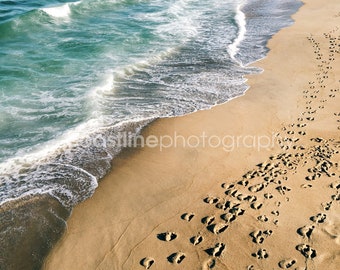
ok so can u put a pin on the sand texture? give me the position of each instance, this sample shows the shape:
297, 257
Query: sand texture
204, 207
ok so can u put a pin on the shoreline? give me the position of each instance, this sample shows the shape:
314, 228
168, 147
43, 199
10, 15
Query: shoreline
148, 192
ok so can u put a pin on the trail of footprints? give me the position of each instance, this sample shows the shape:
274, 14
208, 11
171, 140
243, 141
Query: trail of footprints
245, 193
270, 180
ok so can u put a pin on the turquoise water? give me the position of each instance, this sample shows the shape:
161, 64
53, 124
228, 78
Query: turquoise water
74, 75
59, 63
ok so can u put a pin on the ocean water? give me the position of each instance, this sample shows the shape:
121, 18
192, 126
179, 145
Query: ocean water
76, 75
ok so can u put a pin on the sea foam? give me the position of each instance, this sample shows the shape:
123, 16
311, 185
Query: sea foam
241, 23
60, 11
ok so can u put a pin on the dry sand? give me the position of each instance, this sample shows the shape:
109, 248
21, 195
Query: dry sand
207, 208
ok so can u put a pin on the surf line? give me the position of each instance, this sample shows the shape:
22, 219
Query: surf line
241, 23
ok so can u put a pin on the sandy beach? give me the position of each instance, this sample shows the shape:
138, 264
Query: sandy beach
250, 184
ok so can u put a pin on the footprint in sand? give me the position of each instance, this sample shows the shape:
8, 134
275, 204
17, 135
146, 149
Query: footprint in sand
228, 217
167, 236
306, 251
177, 257
306, 231
262, 218
217, 228
336, 197
237, 211
311, 177
231, 191
257, 187
211, 200
242, 197
335, 185
319, 218
326, 205
187, 216
235, 193
268, 233
147, 262
227, 186
250, 175
256, 205
286, 264
261, 254
259, 236
283, 189
243, 183
306, 186
250, 198
268, 196
275, 213
196, 240
208, 220
223, 205
217, 250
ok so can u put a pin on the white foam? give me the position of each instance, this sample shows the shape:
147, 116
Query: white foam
107, 87
61, 11
69, 139
177, 21
184, 22
241, 22
58, 12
